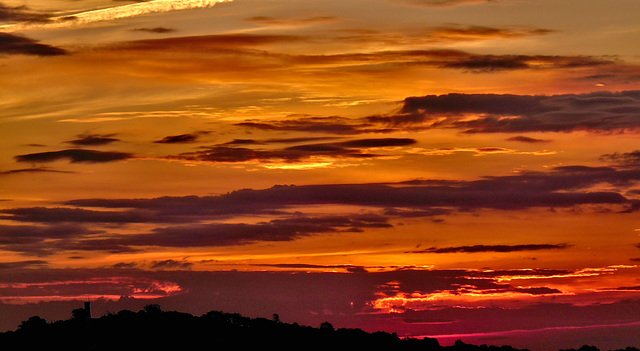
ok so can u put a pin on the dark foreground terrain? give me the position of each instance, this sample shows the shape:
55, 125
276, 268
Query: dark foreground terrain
154, 329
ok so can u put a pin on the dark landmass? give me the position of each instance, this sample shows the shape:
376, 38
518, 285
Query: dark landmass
154, 329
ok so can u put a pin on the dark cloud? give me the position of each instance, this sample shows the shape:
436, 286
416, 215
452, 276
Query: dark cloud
273, 21
599, 111
348, 268
74, 156
93, 140
33, 170
347, 149
225, 234
125, 265
561, 187
41, 240
12, 44
492, 63
332, 125
493, 248
524, 139
21, 14
62, 234
171, 264
178, 139
629, 159
242, 142
208, 42
23, 264
159, 30
63, 214
454, 59
298, 140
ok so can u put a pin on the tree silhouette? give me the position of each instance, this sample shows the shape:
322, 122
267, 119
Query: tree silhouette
326, 326
151, 328
33, 324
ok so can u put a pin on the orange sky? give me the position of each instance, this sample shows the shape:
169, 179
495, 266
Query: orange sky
413, 166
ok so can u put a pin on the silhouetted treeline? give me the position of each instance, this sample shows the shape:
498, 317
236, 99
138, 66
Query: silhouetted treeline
154, 329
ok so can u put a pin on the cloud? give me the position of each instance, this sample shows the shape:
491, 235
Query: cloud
93, 140
121, 11
444, 3
178, 139
493, 63
159, 30
347, 149
32, 170
493, 248
226, 234
171, 264
273, 21
62, 214
12, 44
188, 218
23, 264
629, 159
492, 113
333, 125
524, 139
561, 187
64, 232
348, 268
74, 156
479, 151
221, 42
21, 14
455, 33
40, 240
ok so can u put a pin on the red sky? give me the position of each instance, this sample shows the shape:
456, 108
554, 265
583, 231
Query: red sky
456, 169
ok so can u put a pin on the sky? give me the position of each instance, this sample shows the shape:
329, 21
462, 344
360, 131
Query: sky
458, 169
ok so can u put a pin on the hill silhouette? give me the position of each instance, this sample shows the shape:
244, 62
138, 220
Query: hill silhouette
154, 329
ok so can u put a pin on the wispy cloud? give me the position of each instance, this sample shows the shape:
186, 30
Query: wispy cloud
274, 21
159, 30
444, 3
21, 14
118, 12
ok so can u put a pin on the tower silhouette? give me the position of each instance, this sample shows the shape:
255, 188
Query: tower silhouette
87, 309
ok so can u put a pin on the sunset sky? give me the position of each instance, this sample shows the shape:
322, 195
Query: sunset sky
458, 169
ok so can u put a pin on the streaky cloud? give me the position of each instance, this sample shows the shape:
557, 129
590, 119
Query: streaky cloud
21, 14
32, 171
158, 30
75, 156
443, 3
230, 153
525, 139
492, 248
118, 12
